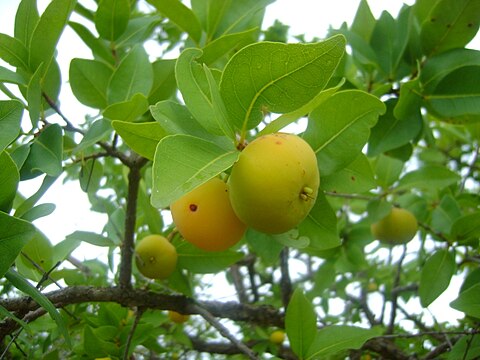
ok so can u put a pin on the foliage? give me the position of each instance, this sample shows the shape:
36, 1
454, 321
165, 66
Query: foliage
392, 106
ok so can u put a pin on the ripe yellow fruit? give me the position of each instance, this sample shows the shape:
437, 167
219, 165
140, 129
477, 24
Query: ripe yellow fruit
277, 337
274, 183
177, 317
398, 227
205, 217
155, 257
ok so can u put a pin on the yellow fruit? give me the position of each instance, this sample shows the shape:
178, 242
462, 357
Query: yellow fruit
277, 337
155, 257
205, 217
274, 183
372, 286
398, 227
177, 317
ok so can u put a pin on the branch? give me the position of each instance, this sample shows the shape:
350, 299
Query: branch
136, 162
225, 333
262, 315
285, 281
396, 282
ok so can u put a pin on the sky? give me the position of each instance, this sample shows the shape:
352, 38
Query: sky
309, 17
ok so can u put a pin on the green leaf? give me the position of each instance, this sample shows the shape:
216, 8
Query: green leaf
97, 131
466, 348
221, 17
7, 314
387, 170
89, 81
32, 200
444, 215
364, 22
14, 234
97, 46
129, 110
428, 177
183, 162
111, 18
181, 16
46, 34
176, 119
435, 276
288, 118
388, 40
226, 43
466, 227
133, 75
408, 105
391, 132
90, 175
8, 76
24, 286
9, 179
276, 77
36, 256
198, 91
457, 96
300, 323
356, 177
139, 29
264, 245
199, 261
39, 211
91, 238
13, 51
11, 112
34, 96
339, 137
320, 226
46, 153
468, 301
439, 66
143, 138
450, 24
26, 20
164, 82
337, 338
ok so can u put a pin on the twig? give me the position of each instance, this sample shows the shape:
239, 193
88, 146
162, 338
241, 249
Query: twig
396, 282
238, 283
285, 281
225, 332
138, 316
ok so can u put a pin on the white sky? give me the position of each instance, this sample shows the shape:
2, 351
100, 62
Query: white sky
309, 17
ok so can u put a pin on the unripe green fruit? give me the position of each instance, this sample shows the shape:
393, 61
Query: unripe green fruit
274, 183
155, 257
277, 337
398, 227
177, 317
205, 218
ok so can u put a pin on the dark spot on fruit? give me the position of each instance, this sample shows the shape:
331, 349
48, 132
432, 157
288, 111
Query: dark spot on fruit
353, 178
278, 142
433, 19
449, 25
193, 207
470, 25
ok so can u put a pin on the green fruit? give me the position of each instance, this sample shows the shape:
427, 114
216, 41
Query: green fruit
177, 318
398, 227
155, 257
277, 337
274, 183
205, 218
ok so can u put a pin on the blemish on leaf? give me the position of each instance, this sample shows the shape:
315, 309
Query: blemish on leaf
353, 178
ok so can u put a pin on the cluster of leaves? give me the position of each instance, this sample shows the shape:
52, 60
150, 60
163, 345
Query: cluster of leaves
395, 120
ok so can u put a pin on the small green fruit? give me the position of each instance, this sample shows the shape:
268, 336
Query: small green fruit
398, 227
274, 183
156, 257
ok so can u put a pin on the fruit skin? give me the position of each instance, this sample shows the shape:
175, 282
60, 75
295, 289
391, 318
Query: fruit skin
156, 257
205, 218
274, 183
277, 337
398, 227
177, 318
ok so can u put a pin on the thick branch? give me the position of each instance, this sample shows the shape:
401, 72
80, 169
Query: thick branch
262, 315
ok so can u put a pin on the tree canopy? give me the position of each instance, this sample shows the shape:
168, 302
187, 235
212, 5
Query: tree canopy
390, 107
